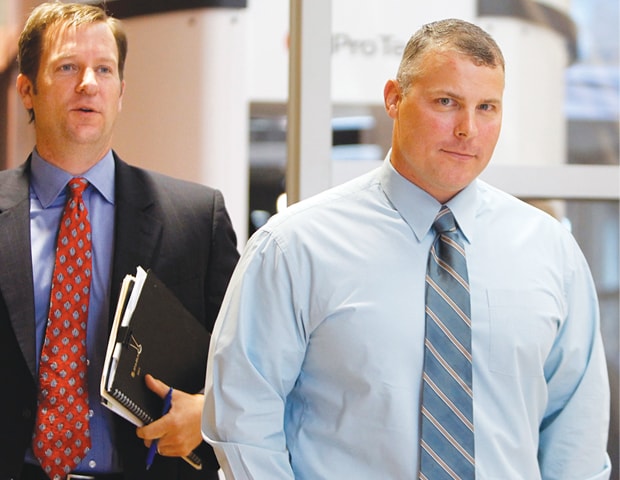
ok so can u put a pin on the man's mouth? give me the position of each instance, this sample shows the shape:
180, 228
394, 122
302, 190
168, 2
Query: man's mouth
84, 109
464, 155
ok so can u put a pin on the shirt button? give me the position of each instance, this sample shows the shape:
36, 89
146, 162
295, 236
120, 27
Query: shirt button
92, 464
91, 413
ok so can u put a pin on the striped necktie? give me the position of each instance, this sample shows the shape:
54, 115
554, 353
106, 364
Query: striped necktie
447, 440
62, 438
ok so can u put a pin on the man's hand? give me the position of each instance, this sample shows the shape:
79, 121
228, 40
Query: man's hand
179, 430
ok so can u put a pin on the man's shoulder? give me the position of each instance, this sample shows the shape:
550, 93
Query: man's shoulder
13, 173
13, 185
341, 208
543, 219
131, 176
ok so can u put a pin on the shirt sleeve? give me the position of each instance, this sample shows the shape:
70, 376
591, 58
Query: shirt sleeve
255, 356
573, 432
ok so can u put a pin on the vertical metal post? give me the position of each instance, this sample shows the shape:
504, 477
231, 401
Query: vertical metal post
309, 134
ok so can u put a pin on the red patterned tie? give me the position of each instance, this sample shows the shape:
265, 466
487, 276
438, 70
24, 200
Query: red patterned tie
61, 437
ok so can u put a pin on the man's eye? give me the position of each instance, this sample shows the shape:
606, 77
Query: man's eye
66, 68
486, 107
445, 101
104, 69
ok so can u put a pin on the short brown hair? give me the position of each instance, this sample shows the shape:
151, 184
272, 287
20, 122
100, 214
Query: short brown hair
450, 34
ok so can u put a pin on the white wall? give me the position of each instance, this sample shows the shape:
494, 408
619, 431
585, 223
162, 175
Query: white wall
185, 110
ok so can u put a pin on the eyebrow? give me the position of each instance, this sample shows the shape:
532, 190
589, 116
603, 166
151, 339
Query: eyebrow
71, 56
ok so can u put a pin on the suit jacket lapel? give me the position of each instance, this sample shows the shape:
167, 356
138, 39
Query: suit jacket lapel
15, 257
137, 231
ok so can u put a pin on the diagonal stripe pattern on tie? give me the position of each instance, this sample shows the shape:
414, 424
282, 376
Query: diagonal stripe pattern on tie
447, 438
62, 438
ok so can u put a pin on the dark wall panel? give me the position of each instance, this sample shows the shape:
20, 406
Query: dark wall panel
535, 12
132, 8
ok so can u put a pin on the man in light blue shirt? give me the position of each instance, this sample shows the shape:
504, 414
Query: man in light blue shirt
315, 366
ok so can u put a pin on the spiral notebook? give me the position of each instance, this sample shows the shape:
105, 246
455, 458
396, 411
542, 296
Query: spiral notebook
152, 333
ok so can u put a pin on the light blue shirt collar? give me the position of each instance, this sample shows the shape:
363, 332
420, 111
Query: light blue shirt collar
48, 181
419, 209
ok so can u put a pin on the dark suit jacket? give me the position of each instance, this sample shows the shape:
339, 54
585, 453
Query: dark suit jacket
180, 230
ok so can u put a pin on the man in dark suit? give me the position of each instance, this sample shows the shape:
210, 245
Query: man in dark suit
71, 59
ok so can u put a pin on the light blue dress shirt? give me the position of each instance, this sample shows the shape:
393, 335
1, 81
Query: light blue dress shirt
47, 200
315, 363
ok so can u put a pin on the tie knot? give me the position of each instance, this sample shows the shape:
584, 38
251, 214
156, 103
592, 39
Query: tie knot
77, 186
444, 221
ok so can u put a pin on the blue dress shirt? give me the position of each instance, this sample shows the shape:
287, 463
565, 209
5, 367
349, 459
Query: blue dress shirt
315, 363
47, 200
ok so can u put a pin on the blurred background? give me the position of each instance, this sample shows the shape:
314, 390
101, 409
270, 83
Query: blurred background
274, 100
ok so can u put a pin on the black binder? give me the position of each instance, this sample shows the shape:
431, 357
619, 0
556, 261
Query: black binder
152, 333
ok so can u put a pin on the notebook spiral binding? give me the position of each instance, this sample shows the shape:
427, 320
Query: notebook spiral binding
133, 408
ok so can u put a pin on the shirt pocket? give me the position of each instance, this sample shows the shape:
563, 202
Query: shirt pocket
523, 327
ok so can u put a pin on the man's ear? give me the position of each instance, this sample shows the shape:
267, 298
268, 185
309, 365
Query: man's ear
25, 89
391, 97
